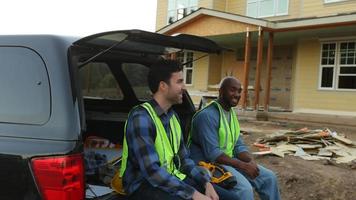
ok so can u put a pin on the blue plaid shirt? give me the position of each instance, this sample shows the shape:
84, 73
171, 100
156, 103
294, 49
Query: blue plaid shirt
143, 163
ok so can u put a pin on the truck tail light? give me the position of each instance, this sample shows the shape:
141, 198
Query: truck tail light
60, 177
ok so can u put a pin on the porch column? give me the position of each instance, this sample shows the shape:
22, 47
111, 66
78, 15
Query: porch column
269, 71
258, 67
246, 68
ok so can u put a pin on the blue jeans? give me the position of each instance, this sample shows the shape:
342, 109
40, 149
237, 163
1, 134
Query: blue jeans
147, 191
223, 194
265, 184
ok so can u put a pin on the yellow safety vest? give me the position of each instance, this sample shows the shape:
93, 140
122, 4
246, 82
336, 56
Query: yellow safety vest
228, 134
163, 145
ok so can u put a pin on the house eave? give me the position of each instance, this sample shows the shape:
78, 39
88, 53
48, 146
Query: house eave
315, 22
275, 26
213, 13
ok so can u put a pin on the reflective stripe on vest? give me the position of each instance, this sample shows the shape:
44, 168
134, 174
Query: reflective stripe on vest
163, 145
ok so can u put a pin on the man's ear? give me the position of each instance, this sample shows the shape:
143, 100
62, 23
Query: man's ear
162, 86
221, 91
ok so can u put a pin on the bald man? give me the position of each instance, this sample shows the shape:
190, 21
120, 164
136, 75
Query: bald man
215, 137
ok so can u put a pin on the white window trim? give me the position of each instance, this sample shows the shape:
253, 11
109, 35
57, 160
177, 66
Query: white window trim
336, 66
185, 69
322, 66
333, 1
320, 77
185, 56
185, 75
275, 14
176, 10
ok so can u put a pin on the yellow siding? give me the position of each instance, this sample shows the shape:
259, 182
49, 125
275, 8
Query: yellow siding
232, 67
161, 15
215, 63
200, 73
205, 4
236, 6
196, 99
293, 78
219, 5
318, 8
202, 27
307, 95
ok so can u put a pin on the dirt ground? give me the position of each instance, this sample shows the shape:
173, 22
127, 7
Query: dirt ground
300, 179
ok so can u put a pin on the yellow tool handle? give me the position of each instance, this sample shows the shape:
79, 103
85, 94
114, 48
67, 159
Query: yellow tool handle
211, 167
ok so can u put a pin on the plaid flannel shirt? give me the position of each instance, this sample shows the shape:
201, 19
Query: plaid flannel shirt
143, 162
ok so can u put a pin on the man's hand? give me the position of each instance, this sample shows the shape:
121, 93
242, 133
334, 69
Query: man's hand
199, 196
244, 163
210, 191
251, 169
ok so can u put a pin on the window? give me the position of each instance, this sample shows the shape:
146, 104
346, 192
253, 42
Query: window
24, 86
333, 1
267, 8
187, 57
177, 9
338, 65
137, 76
98, 81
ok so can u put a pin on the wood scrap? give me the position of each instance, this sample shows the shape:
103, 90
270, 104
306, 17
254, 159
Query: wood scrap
262, 152
309, 145
332, 147
342, 139
325, 142
345, 159
272, 151
324, 152
336, 136
276, 152
259, 145
287, 147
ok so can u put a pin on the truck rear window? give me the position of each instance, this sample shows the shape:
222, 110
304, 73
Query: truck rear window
137, 76
98, 81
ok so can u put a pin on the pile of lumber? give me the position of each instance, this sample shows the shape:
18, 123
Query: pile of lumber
309, 145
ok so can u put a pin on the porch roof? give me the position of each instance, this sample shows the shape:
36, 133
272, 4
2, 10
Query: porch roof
275, 26
229, 30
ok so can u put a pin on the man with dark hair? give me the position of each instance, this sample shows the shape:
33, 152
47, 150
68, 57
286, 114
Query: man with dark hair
161, 71
215, 138
155, 161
